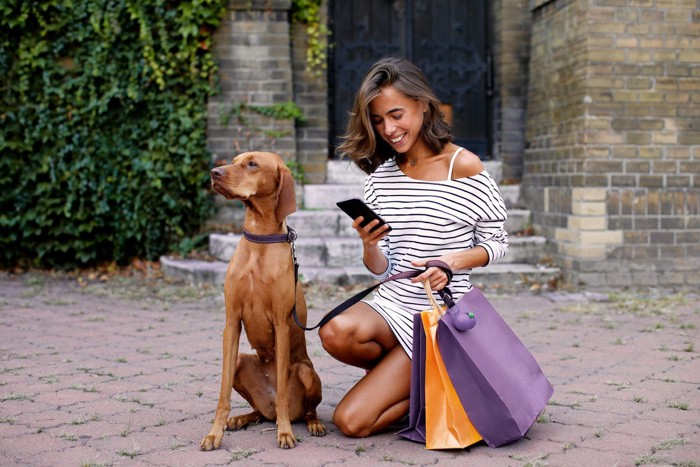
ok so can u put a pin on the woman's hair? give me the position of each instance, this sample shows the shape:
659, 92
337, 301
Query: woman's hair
361, 142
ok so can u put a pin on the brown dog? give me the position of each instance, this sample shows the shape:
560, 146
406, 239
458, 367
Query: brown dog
278, 381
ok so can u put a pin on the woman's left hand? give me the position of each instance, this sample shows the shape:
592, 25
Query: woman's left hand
437, 277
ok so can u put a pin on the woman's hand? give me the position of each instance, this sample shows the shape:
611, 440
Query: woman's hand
368, 236
372, 256
437, 277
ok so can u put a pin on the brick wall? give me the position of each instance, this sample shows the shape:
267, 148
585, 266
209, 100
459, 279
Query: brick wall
511, 51
612, 168
252, 47
311, 94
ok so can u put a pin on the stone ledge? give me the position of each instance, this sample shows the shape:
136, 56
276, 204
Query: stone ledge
496, 277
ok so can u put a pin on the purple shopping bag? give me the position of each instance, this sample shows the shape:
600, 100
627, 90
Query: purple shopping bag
416, 413
498, 381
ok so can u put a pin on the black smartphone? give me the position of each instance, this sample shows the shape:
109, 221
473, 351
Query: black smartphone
355, 208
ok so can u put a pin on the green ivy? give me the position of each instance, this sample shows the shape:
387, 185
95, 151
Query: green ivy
308, 13
103, 109
280, 111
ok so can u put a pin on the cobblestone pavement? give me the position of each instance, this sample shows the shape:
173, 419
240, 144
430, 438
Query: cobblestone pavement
127, 373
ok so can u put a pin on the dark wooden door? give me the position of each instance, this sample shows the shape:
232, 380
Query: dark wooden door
447, 39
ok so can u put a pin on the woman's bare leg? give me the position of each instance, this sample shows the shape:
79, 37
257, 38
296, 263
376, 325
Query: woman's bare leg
362, 338
379, 399
359, 337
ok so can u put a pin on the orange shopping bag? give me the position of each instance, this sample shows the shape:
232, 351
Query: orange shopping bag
446, 423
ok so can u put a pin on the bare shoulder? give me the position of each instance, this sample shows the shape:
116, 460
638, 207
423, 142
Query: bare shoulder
467, 164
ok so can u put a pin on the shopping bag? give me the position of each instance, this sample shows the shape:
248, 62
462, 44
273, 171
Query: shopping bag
415, 431
498, 381
436, 415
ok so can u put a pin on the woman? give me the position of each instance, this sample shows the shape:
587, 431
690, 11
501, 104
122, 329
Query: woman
440, 203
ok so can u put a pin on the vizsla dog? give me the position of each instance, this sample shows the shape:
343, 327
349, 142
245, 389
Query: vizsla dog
279, 380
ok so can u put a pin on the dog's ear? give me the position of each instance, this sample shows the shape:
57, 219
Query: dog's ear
286, 195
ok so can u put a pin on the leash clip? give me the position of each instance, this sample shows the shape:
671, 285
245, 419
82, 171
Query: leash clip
291, 237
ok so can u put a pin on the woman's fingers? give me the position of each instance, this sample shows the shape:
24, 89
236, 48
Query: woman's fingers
435, 276
366, 233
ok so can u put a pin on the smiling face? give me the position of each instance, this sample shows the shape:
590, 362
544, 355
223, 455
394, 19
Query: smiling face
398, 119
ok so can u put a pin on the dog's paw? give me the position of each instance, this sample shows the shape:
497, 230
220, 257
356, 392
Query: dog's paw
212, 440
241, 421
316, 428
286, 439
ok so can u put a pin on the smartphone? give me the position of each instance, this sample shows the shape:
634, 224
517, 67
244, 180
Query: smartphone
355, 208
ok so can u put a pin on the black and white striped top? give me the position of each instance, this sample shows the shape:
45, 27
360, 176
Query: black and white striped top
430, 219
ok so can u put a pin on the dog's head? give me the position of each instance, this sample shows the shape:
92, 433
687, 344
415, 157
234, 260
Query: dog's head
257, 175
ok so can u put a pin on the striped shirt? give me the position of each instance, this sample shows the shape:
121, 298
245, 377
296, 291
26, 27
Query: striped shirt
430, 219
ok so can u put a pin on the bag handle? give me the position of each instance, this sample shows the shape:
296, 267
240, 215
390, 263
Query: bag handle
356, 298
431, 297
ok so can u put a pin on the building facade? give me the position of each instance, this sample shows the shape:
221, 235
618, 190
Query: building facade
592, 106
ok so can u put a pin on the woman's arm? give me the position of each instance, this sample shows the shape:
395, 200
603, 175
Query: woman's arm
490, 237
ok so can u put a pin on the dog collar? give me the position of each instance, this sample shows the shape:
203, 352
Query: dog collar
289, 237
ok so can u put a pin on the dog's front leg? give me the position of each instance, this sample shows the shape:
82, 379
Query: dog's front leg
285, 437
232, 335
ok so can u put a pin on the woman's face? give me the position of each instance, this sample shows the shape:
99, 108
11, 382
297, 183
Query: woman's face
397, 118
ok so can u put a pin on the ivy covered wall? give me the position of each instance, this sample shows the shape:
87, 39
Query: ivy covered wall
103, 128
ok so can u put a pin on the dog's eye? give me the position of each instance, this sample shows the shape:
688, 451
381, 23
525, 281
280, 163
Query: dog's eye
252, 164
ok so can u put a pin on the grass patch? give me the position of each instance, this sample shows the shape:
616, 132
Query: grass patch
669, 444
645, 460
360, 448
135, 451
48, 379
389, 458
176, 444
16, 396
538, 461
151, 289
80, 387
83, 421
240, 454
68, 436
94, 464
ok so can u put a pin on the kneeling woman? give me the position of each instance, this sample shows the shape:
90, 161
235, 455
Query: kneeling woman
441, 205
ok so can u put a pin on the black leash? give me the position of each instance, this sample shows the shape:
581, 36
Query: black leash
291, 236
445, 293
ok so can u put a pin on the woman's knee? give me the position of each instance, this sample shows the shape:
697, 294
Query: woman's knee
350, 423
335, 335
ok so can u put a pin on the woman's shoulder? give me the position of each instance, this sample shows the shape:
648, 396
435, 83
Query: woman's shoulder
466, 164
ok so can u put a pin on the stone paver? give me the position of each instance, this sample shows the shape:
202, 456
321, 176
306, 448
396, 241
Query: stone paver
127, 373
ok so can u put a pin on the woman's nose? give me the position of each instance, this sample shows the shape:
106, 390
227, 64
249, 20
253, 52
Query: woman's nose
389, 128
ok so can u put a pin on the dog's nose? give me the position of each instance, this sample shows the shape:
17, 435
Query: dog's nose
217, 172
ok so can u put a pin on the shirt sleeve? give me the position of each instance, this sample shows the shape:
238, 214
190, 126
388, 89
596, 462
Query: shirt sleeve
371, 200
489, 231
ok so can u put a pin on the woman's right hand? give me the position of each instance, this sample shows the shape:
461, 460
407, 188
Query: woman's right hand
368, 236
372, 256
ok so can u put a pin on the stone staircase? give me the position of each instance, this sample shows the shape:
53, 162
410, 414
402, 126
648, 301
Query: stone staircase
329, 250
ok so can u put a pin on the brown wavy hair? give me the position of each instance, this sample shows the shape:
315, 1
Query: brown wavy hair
361, 143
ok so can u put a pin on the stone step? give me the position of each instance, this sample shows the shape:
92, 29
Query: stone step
344, 252
344, 172
325, 196
496, 277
